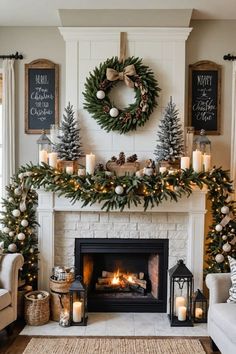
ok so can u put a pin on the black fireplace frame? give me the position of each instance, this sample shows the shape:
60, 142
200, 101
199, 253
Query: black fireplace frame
103, 245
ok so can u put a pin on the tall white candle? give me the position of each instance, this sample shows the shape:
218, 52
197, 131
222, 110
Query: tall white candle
77, 307
206, 162
90, 163
43, 156
182, 312
197, 161
179, 301
52, 159
185, 162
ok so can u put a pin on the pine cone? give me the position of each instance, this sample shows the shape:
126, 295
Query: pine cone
121, 160
106, 109
99, 167
114, 159
132, 158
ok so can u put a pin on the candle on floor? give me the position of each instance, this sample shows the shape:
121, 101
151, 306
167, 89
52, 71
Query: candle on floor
179, 301
69, 170
43, 156
197, 161
184, 162
77, 307
206, 162
198, 312
90, 163
52, 159
182, 313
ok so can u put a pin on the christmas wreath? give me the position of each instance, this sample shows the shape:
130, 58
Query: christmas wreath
100, 83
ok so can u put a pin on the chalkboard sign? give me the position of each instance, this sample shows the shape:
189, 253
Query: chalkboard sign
41, 95
204, 97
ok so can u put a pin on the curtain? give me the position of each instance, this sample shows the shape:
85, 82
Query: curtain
8, 122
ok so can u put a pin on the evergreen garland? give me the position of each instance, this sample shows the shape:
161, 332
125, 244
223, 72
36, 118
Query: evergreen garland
136, 114
69, 145
171, 142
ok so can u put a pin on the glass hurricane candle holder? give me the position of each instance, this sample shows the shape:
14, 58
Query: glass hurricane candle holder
64, 318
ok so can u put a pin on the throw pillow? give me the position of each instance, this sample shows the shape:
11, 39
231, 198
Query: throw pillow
232, 290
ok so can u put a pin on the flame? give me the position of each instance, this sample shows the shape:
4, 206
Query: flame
130, 279
116, 278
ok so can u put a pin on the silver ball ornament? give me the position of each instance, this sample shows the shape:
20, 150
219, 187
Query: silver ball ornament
226, 247
225, 210
17, 191
21, 236
6, 230
219, 258
16, 213
114, 112
12, 247
100, 94
119, 190
24, 223
218, 228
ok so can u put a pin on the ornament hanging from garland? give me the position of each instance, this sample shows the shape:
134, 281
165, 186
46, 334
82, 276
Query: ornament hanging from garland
134, 74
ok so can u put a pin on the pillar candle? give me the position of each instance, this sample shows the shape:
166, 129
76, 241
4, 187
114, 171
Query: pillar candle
179, 301
43, 156
206, 162
81, 172
182, 312
197, 161
90, 164
52, 159
198, 312
185, 162
69, 170
77, 306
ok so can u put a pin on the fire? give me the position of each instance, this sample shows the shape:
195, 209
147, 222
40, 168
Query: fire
130, 279
116, 278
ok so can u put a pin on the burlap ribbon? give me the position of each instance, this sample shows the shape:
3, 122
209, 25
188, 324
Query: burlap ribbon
129, 70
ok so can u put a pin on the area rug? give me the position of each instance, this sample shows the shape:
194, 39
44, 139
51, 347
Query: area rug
113, 346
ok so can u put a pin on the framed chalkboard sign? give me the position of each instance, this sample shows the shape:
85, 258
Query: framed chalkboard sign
204, 97
41, 95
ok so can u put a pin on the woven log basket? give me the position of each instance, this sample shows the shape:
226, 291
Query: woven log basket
37, 311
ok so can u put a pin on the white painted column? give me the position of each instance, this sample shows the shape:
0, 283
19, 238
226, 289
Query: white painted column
45, 237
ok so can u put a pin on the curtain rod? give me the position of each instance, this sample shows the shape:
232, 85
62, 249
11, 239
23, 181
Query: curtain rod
229, 57
12, 56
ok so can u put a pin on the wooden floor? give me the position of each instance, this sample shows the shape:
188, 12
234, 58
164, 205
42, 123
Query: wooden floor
15, 344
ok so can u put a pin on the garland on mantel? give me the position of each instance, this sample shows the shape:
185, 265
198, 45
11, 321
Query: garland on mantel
115, 192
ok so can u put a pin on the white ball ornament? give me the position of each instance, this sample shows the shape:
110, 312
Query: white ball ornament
225, 210
119, 190
24, 223
226, 247
219, 258
23, 207
218, 228
21, 236
100, 94
11, 233
17, 191
114, 112
224, 237
12, 247
40, 296
11, 200
16, 213
6, 230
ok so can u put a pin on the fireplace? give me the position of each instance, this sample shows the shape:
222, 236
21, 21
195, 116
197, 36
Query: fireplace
124, 275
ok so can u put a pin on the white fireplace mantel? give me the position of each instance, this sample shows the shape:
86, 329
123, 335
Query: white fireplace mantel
194, 206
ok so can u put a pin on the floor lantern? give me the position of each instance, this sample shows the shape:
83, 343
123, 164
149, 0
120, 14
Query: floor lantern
200, 307
78, 303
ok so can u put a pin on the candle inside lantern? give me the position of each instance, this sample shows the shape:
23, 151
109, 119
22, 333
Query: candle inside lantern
206, 162
43, 156
90, 164
185, 162
197, 161
77, 311
162, 169
81, 172
182, 313
179, 301
198, 312
52, 159
69, 170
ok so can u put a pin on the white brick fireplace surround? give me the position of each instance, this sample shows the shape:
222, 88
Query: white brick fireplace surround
61, 222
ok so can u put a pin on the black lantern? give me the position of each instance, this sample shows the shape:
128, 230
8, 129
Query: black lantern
78, 303
202, 143
181, 285
199, 307
44, 147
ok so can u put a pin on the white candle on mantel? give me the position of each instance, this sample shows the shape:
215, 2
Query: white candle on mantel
179, 301
52, 159
77, 315
69, 170
198, 312
182, 313
206, 162
43, 156
90, 164
184, 162
197, 161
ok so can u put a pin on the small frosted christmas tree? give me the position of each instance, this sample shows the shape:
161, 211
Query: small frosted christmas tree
69, 146
170, 145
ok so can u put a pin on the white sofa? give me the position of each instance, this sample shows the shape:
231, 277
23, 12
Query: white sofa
9, 268
221, 315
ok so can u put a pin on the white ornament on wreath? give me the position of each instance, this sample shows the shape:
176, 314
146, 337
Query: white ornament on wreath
6, 230
24, 223
21, 236
21, 175
224, 237
11, 233
17, 191
225, 209
218, 228
119, 190
219, 258
11, 200
16, 213
114, 112
226, 247
12, 247
100, 94
23, 207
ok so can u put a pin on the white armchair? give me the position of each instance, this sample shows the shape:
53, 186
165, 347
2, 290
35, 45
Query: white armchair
9, 267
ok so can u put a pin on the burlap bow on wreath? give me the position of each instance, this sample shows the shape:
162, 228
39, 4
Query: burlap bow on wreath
113, 75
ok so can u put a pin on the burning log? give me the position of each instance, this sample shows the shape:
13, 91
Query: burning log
104, 280
106, 274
